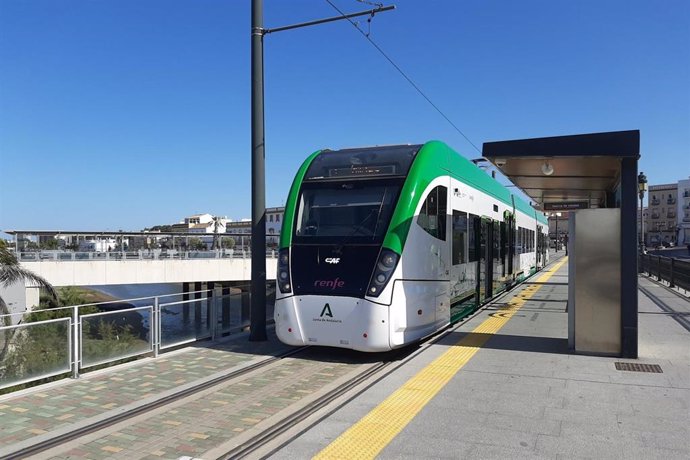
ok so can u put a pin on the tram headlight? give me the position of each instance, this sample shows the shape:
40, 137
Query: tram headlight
385, 266
284, 271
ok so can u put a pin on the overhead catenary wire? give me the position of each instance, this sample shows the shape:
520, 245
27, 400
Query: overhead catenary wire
405, 76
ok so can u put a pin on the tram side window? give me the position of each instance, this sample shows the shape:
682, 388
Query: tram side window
531, 240
472, 240
432, 216
459, 237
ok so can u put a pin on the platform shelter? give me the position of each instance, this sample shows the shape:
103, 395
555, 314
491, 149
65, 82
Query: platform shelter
593, 177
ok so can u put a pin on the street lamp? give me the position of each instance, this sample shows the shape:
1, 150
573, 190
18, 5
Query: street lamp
641, 188
557, 215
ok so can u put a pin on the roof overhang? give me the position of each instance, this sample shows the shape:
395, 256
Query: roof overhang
586, 167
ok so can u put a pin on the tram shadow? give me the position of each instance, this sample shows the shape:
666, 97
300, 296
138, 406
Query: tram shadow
272, 347
552, 345
347, 356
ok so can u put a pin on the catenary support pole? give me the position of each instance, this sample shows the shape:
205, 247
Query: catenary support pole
258, 284
257, 316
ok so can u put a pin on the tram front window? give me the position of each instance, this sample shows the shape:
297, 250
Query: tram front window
353, 211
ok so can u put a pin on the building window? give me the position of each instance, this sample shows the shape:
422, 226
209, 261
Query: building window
277, 217
270, 218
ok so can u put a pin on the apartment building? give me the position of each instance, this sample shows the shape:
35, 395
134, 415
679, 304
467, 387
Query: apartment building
662, 216
274, 221
683, 211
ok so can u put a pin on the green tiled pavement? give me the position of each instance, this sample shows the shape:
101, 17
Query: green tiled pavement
215, 416
53, 407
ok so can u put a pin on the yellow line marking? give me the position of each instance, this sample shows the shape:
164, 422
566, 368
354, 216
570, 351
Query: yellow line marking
368, 437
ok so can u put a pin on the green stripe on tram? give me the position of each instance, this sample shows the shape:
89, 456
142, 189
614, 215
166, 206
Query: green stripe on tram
291, 204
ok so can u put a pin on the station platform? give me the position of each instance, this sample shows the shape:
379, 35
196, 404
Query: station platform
502, 384
524, 395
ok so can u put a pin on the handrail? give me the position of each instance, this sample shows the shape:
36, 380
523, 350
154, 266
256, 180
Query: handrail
673, 270
124, 256
160, 329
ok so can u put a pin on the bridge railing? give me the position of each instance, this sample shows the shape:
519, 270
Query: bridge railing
674, 271
38, 256
46, 343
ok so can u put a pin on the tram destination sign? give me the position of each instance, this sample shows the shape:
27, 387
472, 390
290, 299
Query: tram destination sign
566, 206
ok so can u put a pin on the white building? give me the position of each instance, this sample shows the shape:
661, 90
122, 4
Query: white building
202, 223
100, 245
274, 221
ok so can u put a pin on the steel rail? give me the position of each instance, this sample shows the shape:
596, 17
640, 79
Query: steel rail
262, 439
24, 452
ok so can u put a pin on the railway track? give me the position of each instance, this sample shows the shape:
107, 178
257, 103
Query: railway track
352, 373
65, 437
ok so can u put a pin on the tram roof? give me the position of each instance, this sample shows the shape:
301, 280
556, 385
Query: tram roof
585, 169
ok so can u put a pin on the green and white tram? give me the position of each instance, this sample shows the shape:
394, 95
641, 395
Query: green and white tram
383, 246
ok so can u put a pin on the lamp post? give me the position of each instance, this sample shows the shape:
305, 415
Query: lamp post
557, 214
641, 188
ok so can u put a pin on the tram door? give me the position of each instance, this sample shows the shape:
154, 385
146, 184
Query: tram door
504, 250
540, 244
497, 272
486, 260
538, 251
510, 236
480, 250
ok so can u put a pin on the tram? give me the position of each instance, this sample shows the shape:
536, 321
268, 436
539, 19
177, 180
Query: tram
383, 246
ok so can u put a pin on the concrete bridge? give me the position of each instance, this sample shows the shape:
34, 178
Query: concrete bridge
62, 268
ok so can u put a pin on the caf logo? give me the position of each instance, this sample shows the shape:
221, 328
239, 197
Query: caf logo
326, 311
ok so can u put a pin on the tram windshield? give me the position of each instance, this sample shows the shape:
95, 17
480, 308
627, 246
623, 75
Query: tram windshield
345, 212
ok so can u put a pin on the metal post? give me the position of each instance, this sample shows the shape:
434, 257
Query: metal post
155, 326
628, 263
217, 306
258, 283
258, 237
75, 342
641, 224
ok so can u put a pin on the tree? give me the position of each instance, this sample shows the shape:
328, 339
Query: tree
42, 348
51, 244
160, 228
195, 244
11, 272
217, 223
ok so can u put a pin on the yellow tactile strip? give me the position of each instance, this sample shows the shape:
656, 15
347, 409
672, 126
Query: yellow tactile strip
376, 430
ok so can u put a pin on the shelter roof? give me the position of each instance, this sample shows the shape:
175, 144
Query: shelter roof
565, 172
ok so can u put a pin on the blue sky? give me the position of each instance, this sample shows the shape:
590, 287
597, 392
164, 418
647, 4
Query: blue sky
125, 114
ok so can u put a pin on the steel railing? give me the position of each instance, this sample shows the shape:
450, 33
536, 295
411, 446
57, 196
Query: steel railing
38, 256
72, 339
674, 271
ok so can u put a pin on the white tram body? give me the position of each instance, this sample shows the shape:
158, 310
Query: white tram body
374, 256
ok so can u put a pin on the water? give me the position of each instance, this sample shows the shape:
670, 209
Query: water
179, 322
132, 291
